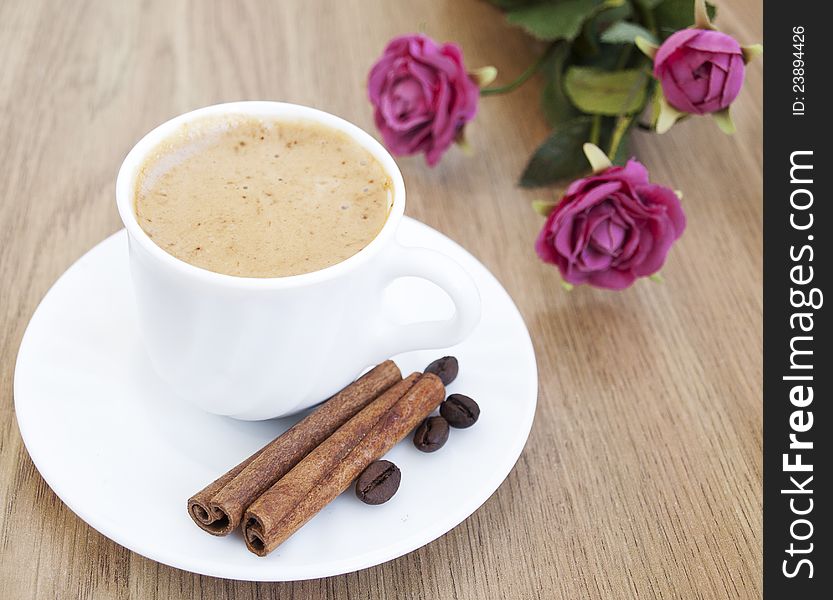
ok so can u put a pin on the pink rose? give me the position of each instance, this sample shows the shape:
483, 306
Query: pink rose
701, 71
422, 96
611, 228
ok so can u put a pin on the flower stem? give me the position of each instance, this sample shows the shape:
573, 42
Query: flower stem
624, 57
622, 124
648, 18
522, 78
595, 129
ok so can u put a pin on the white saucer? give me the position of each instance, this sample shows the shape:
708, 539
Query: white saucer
125, 455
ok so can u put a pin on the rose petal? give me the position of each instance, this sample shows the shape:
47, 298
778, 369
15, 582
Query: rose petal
662, 236
734, 81
418, 139
692, 72
607, 237
686, 65
598, 213
404, 106
591, 259
639, 244
580, 234
454, 52
398, 46
572, 274
671, 45
418, 45
440, 109
716, 81
569, 237
714, 41
402, 143
543, 244
578, 185
562, 238
463, 106
434, 153
632, 206
628, 223
468, 93
675, 94
433, 57
377, 78
630, 246
721, 61
595, 195
634, 172
612, 279
659, 195
428, 78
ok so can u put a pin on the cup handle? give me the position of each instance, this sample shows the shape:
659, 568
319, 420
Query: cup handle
401, 261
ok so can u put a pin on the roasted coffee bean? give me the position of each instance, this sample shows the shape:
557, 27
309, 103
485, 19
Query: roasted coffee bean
445, 368
378, 482
431, 434
460, 411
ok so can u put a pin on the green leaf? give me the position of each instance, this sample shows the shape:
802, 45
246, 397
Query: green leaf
606, 58
587, 42
625, 32
613, 14
560, 156
649, 3
609, 93
554, 20
623, 153
555, 105
554, 102
673, 15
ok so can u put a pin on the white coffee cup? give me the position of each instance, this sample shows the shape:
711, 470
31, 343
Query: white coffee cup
258, 348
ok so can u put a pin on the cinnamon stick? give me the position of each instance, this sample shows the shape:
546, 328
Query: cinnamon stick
290, 489
218, 508
264, 530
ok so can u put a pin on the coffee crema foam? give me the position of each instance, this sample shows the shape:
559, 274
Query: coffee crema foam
261, 198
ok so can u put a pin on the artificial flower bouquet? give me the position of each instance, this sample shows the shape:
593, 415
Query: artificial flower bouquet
609, 66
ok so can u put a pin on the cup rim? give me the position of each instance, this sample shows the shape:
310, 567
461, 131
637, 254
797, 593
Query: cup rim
128, 172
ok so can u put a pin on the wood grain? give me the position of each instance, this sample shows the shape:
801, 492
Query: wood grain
642, 476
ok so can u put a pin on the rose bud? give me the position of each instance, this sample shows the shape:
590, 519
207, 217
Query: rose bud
611, 227
700, 71
423, 96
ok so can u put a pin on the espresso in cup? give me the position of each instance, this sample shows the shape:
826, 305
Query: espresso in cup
256, 197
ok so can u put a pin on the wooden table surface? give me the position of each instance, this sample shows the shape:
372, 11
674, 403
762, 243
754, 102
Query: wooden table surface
642, 474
